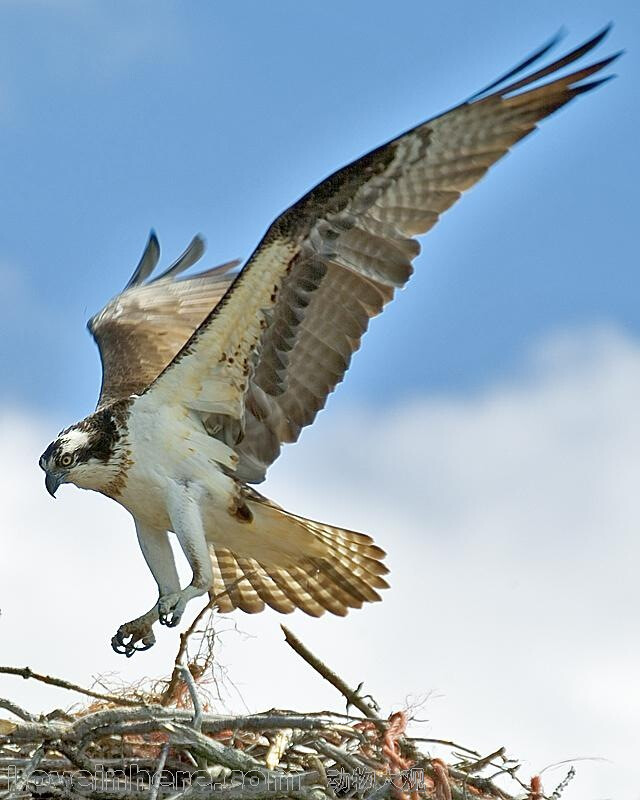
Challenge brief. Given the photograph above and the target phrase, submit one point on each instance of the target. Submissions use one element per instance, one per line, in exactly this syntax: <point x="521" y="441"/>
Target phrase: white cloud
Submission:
<point x="510" y="519"/>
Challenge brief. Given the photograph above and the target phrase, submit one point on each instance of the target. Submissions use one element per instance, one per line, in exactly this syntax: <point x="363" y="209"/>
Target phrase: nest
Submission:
<point x="165" y="742"/>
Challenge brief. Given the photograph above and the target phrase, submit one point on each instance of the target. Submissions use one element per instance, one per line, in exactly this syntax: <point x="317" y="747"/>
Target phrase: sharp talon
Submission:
<point x="126" y="643"/>
<point x="170" y="608"/>
<point x="117" y="643"/>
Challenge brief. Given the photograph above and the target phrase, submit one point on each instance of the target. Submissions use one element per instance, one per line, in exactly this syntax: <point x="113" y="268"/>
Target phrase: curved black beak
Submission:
<point x="51" y="482"/>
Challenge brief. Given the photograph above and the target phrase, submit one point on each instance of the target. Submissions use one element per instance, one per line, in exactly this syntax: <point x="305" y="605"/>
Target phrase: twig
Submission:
<point x="16" y="709"/>
<point x="322" y="774"/>
<point x="157" y="777"/>
<point x="481" y="784"/>
<point x="352" y="697"/>
<point x="348" y="760"/>
<point x="263" y="791"/>
<point x="27" y="672"/>
<point x="555" y="795"/>
<point x="111" y="720"/>
<point x="196" y="723"/>
<point x="336" y="714"/>
<point x="169" y="692"/>
<point x="74" y="756"/>
<point x="219" y="753"/>
<point x="446" y="742"/>
<point x="481" y="763"/>
<point x="31" y="767"/>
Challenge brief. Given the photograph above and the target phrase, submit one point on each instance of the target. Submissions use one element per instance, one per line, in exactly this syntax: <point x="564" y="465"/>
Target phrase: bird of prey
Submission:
<point x="205" y="378"/>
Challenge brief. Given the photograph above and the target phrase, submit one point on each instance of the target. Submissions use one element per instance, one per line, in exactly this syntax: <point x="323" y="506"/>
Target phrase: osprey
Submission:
<point x="205" y="378"/>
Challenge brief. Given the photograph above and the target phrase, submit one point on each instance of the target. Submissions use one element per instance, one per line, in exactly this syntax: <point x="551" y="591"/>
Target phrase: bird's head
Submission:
<point x="82" y="454"/>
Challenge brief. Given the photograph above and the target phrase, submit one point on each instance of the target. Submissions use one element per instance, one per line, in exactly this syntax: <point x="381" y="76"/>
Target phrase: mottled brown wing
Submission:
<point x="140" y="330"/>
<point x="263" y="363"/>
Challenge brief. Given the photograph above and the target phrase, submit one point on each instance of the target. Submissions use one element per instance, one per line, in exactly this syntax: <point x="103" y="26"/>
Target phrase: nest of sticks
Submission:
<point x="166" y="742"/>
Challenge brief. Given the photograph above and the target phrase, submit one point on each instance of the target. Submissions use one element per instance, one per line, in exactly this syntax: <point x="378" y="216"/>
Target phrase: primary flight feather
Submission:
<point x="205" y="377"/>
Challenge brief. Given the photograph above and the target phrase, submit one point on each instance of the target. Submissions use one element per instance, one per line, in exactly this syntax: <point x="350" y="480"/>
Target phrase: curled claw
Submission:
<point x="170" y="609"/>
<point x="129" y="648"/>
<point x="133" y="637"/>
<point x="170" y="619"/>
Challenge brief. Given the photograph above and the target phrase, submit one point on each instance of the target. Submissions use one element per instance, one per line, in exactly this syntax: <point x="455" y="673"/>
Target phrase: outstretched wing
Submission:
<point x="140" y="330"/>
<point x="261" y="365"/>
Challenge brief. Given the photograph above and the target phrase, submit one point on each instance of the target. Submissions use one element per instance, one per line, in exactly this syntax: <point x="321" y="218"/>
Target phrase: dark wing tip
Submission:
<point x="587" y="87"/>
<point x="600" y="36"/>
<point x="599" y="65"/>
<point x="148" y="261"/>
<point x="563" y="61"/>
<point x="193" y="253"/>
<point x="527" y="62"/>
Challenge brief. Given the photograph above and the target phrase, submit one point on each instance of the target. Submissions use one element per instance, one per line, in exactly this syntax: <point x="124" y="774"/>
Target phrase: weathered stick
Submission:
<point x="27" y="672"/>
<point x="157" y="776"/>
<point x="14" y="708"/>
<point x="27" y="773"/>
<point x="195" y="698"/>
<point x="169" y="692"/>
<point x="352" y="697"/>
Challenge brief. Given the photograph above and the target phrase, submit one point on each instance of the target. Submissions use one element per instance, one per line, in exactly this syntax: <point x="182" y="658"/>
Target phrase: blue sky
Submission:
<point x="212" y="118"/>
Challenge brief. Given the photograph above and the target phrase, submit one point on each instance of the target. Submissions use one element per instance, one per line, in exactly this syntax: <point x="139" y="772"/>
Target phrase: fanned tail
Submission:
<point x="296" y="563"/>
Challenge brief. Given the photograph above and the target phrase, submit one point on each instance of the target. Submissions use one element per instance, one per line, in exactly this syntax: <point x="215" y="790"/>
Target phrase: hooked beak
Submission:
<point x="51" y="481"/>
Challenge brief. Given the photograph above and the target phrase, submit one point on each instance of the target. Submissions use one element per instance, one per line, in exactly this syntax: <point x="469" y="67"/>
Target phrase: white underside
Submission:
<point x="168" y="445"/>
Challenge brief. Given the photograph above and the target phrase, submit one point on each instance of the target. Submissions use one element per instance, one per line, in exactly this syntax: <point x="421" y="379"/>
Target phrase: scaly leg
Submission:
<point x="158" y="554"/>
<point x="128" y="635"/>
<point x="186" y="521"/>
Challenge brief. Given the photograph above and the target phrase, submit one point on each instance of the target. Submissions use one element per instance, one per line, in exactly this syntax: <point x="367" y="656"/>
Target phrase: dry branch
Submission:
<point x="351" y="695"/>
<point x="27" y="672"/>
<point x="166" y="743"/>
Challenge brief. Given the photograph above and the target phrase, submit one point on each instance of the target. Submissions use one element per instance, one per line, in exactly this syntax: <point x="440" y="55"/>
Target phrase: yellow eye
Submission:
<point x="66" y="460"/>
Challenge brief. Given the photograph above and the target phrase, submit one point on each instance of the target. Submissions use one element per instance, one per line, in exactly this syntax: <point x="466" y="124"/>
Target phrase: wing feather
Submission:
<point x="140" y="330"/>
<point x="282" y="337"/>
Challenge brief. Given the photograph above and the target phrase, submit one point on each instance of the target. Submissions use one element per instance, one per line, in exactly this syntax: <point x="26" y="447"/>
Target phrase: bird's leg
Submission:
<point x="186" y="520"/>
<point x="158" y="554"/>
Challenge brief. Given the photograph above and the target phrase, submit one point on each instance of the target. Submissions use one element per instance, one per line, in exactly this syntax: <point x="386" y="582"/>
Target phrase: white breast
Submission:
<point x="168" y="443"/>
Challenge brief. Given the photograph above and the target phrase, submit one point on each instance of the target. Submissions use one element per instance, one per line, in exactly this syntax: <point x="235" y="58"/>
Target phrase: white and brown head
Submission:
<point x="88" y="454"/>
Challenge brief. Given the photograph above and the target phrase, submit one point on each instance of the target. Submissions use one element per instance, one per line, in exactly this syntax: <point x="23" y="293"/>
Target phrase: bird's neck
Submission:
<point x="106" y="470"/>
